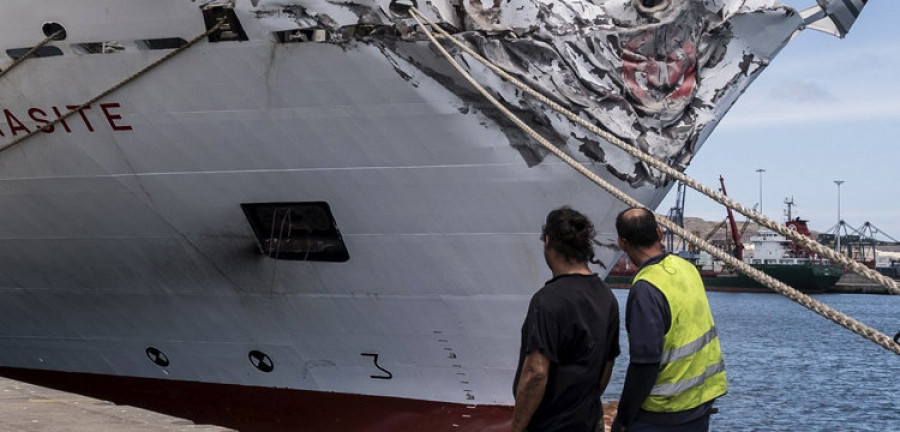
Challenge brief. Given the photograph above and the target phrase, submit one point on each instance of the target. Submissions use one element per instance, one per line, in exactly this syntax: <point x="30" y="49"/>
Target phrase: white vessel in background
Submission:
<point x="309" y="218"/>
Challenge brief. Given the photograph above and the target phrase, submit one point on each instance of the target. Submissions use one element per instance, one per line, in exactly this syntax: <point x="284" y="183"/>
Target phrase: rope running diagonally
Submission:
<point x="804" y="300"/>
<point x="891" y="285"/>
<point x="114" y="88"/>
<point x="30" y="52"/>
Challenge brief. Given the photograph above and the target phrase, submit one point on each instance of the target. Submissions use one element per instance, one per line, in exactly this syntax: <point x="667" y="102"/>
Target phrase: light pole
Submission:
<point x="838" y="240"/>
<point x="760" y="171"/>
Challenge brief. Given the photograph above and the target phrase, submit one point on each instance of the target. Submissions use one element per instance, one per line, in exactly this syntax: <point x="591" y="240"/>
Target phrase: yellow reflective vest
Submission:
<point x="691" y="369"/>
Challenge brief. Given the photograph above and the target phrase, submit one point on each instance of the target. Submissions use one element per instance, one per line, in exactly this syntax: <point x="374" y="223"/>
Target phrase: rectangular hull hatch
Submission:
<point x="300" y="231"/>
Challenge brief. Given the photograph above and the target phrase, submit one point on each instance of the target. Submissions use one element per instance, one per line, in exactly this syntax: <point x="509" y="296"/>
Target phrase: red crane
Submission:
<point x="735" y="235"/>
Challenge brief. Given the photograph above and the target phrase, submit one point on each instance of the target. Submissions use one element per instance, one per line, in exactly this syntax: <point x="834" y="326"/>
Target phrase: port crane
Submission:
<point x="676" y="215"/>
<point x="857" y="243"/>
<point x="738" y="250"/>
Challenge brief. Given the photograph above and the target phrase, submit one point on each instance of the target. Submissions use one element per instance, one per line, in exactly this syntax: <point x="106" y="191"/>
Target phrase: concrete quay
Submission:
<point x="855" y="284"/>
<point x="29" y="408"/>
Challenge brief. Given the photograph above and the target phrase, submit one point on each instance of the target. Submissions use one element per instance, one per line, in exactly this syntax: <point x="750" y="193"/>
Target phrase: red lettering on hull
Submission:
<point x="37" y="118"/>
<point x="15" y="125"/>
<point x="40" y="116"/>
<point x="63" y="122"/>
<point x="83" y="116"/>
<point x="113" y="118"/>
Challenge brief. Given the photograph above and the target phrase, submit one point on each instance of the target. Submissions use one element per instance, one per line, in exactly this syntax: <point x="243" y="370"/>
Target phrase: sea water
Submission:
<point x="789" y="369"/>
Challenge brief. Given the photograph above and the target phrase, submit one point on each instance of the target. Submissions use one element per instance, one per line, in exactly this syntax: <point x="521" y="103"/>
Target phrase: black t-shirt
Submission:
<point x="574" y="322"/>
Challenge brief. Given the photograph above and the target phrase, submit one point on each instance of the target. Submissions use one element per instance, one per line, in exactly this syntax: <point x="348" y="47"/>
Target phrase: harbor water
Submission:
<point x="791" y="370"/>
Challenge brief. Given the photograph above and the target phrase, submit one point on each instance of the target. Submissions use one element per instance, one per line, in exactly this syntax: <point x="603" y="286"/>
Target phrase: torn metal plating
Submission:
<point x="658" y="74"/>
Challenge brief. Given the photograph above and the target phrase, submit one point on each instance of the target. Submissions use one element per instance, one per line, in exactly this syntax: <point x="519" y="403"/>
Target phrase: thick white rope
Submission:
<point x="837" y="317"/>
<point x="846" y="262"/>
<point x="114" y="88"/>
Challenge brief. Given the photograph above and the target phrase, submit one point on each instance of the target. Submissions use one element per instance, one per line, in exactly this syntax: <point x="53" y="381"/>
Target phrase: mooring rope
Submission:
<point x="806" y="242"/>
<point x="804" y="300"/>
<point x="30" y="52"/>
<point x="114" y="88"/>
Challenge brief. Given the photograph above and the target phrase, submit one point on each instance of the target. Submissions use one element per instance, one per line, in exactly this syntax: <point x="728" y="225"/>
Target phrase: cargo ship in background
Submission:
<point x="308" y="220"/>
<point x="772" y="253"/>
<point x="778" y="257"/>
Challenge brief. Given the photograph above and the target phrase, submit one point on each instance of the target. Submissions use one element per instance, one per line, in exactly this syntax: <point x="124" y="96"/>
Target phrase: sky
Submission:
<point x="826" y="109"/>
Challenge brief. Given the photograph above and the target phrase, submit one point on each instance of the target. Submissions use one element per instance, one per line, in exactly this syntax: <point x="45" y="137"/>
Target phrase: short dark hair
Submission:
<point x="571" y="234"/>
<point x="640" y="229"/>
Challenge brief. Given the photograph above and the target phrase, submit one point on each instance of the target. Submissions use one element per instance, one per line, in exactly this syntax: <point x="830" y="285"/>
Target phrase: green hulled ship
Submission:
<point x="810" y="277"/>
<point x="774" y="255"/>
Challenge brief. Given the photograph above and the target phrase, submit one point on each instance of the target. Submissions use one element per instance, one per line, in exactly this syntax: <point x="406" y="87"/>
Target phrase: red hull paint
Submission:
<point x="261" y="409"/>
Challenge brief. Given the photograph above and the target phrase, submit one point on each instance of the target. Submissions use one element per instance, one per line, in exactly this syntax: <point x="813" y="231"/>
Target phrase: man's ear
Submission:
<point x="659" y="233"/>
<point x="621" y="243"/>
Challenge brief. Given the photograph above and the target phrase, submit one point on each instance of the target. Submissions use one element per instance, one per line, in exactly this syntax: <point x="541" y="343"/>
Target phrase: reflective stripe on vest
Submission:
<point x="691" y="368"/>
<point x="683" y="386"/>
<point x="692" y="347"/>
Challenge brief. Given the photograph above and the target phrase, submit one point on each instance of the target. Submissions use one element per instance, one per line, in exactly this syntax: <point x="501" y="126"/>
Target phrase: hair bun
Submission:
<point x="571" y="234"/>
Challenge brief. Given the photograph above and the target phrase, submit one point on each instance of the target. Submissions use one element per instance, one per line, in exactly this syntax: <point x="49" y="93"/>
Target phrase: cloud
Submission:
<point x="802" y="92"/>
<point x="849" y="83"/>
<point x="776" y="114"/>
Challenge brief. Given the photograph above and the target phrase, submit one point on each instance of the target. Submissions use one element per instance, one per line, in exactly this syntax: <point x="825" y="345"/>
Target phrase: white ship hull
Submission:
<point x="123" y="241"/>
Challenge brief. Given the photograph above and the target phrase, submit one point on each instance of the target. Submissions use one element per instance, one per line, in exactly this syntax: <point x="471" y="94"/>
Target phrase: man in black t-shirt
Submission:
<point x="570" y="337"/>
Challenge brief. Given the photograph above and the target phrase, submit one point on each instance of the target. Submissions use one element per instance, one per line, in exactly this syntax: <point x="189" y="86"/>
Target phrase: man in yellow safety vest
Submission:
<point x="676" y="370"/>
